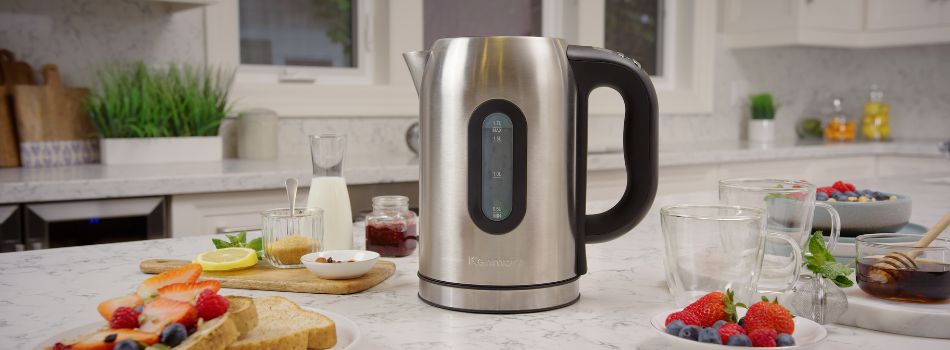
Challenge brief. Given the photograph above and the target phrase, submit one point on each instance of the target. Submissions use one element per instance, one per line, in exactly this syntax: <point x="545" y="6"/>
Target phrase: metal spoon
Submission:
<point x="291" y="184"/>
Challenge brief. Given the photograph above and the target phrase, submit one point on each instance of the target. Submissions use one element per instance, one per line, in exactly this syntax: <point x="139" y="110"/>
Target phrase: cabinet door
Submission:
<point x="212" y="213"/>
<point x="904" y="14"/>
<point x="900" y="165"/>
<point x="845" y="15"/>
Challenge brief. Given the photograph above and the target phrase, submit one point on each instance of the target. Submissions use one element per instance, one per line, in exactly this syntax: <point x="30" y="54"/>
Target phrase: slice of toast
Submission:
<point x="216" y="334"/>
<point x="284" y="325"/>
<point x="243" y="313"/>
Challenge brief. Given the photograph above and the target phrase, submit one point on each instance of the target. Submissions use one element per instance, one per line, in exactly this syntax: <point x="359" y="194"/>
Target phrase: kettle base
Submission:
<point x="498" y="300"/>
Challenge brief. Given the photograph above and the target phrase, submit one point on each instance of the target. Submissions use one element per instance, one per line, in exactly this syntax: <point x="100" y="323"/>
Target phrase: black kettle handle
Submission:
<point x="594" y="68"/>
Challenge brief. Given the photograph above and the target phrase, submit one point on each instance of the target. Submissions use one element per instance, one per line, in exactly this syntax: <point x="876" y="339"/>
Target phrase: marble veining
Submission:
<point x="43" y="292"/>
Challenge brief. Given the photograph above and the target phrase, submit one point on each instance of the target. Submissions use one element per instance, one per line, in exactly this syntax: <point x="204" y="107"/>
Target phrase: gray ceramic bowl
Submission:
<point x="858" y="218"/>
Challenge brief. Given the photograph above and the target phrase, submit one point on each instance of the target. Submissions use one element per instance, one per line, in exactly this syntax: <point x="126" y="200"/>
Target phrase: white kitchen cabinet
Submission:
<point x="201" y="214"/>
<point x="834" y="23"/>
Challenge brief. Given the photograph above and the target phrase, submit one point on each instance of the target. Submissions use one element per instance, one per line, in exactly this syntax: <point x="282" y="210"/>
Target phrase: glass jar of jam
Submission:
<point x="391" y="227"/>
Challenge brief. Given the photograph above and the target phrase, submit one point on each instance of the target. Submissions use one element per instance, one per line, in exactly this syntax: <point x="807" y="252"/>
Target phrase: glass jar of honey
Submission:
<point x="840" y="127"/>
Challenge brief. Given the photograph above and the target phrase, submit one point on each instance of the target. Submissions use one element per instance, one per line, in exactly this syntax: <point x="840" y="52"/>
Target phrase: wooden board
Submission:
<point x="11" y="72"/>
<point x="265" y="277"/>
<point x="51" y="124"/>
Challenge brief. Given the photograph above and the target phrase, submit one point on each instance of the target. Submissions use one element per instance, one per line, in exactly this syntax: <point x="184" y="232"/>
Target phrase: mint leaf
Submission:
<point x="822" y="263"/>
<point x="256" y="244"/>
<point x="235" y="240"/>
<point x="219" y="243"/>
<point x="242" y="237"/>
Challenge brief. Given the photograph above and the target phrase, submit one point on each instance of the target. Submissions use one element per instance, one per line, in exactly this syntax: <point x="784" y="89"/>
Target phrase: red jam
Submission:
<point x="392" y="238"/>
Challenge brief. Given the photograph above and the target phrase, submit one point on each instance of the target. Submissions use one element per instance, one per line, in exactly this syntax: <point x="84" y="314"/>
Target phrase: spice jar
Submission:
<point x="391" y="227"/>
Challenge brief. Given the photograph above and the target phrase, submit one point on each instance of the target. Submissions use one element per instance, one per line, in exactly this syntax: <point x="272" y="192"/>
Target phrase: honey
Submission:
<point x="929" y="283"/>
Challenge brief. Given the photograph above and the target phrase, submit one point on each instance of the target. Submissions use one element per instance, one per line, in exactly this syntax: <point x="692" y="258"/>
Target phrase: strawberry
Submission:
<point x="686" y="316"/>
<point x="162" y="312"/>
<point x="187" y="291"/>
<point x="108" y="307"/>
<point x="106" y="340"/>
<point x="842" y="186"/>
<point x="763" y="338"/>
<point x="713" y="307"/>
<point x="729" y="329"/>
<point x="185" y="274"/>
<point x="124" y="317"/>
<point x="210" y="305"/>
<point x="769" y="315"/>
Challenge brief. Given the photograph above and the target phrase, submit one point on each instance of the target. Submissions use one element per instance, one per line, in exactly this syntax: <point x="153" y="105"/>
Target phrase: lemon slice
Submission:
<point x="227" y="259"/>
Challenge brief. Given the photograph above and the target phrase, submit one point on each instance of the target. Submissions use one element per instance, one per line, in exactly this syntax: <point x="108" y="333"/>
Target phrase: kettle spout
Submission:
<point x="416" y="60"/>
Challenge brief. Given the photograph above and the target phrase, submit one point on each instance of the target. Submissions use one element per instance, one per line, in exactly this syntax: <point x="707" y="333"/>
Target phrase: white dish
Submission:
<point x="919" y="320"/>
<point x="347" y="333"/>
<point x="807" y="334"/>
<point x="340" y="271"/>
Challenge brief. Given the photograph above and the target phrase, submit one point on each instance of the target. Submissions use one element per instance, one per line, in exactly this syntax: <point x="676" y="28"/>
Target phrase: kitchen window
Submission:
<point x="328" y="57"/>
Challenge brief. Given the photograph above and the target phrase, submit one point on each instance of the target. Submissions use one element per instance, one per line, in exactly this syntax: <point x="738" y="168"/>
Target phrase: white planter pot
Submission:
<point x="160" y="150"/>
<point x="762" y="130"/>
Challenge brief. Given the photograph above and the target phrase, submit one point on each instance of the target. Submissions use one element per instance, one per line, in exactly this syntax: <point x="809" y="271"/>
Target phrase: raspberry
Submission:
<point x="210" y="305"/>
<point x="827" y="190"/>
<point x="124" y="317"/>
<point x="61" y="346"/>
<point x="729" y="329"/>
<point x="763" y="337"/>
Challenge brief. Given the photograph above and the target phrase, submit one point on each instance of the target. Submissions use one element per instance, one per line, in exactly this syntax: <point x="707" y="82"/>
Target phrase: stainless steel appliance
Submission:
<point x="66" y="224"/>
<point x="503" y="168"/>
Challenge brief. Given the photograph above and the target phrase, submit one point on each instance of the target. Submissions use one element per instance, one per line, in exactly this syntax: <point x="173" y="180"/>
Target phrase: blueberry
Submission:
<point x="881" y="196"/>
<point x="742" y="322"/>
<point x="866" y="192"/>
<point x="821" y="196"/>
<point x="784" y="339"/>
<point x="835" y="193"/>
<point x="689" y="332"/>
<point x="739" y="340"/>
<point x="841" y="197"/>
<point x="851" y="194"/>
<point x="139" y="308"/>
<point x="674" y="327"/>
<point x="173" y="334"/>
<point x="709" y="335"/>
<point x="718" y="324"/>
<point x="127" y="344"/>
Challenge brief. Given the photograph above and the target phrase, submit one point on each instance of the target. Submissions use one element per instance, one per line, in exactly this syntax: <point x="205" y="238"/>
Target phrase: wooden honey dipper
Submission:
<point x="905" y="261"/>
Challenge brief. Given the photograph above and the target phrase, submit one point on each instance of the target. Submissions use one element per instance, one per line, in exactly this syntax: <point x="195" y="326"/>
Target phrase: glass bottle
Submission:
<point x="839" y="127"/>
<point x="328" y="191"/>
<point x="391" y="227"/>
<point x="876" y="122"/>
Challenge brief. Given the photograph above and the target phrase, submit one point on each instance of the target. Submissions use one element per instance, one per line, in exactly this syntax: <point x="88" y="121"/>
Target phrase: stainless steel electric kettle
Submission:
<point x="504" y="163"/>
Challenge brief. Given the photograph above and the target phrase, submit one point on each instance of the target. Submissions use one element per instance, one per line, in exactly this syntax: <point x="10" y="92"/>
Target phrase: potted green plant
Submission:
<point x="159" y="115"/>
<point x="762" y="124"/>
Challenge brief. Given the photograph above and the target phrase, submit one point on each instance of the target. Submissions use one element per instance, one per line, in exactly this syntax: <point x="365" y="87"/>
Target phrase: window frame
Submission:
<point x="391" y="30"/>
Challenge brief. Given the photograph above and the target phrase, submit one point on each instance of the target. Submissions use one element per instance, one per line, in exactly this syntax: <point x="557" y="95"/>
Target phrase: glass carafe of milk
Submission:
<point x="328" y="190"/>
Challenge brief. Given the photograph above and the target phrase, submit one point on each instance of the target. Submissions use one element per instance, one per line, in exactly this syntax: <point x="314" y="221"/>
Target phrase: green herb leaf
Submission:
<point x="235" y="240"/>
<point x="218" y="243"/>
<point x="822" y="263"/>
<point x="242" y="236"/>
<point x="256" y="244"/>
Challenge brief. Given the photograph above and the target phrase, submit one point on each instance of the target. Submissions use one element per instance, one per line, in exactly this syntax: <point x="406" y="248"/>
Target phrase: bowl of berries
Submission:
<point x="862" y="210"/>
<point x="714" y="321"/>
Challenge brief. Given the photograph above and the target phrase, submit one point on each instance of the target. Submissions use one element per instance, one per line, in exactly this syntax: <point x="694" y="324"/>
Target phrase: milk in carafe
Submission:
<point x="328" y="191"/>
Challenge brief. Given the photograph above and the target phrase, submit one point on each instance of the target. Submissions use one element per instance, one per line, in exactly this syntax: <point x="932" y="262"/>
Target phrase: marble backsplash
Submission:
<point x="80" y="35"/>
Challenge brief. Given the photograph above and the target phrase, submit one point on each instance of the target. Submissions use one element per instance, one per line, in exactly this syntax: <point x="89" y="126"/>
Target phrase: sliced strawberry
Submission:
<point x="185" y="274"/>
<point x="187" y="292"/>
<point x="162" y="312"/>
<point x="106" y="340"/>
<point x="108" y="307"/>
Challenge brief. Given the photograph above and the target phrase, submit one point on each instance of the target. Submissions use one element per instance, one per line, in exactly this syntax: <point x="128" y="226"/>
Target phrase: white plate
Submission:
<point x="347" y="333"/>
<point x="364" y="261"/>
<point x="807" y="334"/>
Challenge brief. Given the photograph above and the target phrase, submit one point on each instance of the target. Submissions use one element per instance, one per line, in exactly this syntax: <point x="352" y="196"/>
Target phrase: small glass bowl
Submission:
<point x="927" y="283"/>
<point x="289" y="237"/>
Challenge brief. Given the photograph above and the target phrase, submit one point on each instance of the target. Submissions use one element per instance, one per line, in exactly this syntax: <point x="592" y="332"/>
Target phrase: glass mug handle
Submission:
<point x="835" y="225"/>
<point x="797" y="255"/>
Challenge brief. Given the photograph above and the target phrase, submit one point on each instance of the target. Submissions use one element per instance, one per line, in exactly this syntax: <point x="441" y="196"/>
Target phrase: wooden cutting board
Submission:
<point x="11" y="72"/>
<point x="265" y="277"/>
<point x="51" y="124"/>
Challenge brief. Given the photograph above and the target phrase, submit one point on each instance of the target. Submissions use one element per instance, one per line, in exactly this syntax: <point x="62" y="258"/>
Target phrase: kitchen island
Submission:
<point x="48" y="291"/>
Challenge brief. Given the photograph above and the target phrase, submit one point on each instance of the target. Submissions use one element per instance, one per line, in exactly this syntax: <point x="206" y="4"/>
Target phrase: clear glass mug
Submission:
<point x="789" y="206"/>
<point x="288" y="237"/>
<point x="716" y="247"/>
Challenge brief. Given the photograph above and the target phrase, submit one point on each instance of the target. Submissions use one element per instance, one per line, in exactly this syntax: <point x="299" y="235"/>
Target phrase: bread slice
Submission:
<point x="216" y="334"/>
<point x="243" y="313"/>
<point x="284" y="325"/>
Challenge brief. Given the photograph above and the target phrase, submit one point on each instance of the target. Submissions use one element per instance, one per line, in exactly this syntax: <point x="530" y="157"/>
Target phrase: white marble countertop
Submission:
<point x="44" y="292"/>
<point x="22" y="185"/>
